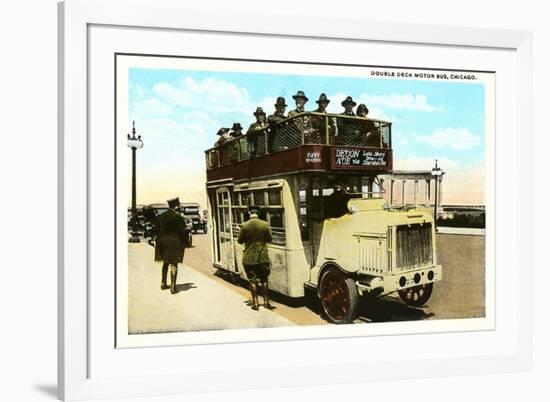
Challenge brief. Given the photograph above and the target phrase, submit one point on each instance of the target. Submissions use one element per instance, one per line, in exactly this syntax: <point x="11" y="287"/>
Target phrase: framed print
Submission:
<point x="325" y="198"/>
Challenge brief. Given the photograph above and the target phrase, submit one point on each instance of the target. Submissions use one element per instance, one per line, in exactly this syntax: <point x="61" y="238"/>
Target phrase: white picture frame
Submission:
<point x="78" y="379"/>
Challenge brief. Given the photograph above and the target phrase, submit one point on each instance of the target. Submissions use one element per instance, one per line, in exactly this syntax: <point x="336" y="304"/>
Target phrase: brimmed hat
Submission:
<point x="259" y="111"/>
<point x="364" y="107"/>
<point x="348" y="100"/>
<point x="222" y="131"/>
<point x="281" y="101"/>
<point x="173" y="202"/>
<point x="322" y="98"/>
<point x="300" y="94"/>
<point x="236" y="126"/>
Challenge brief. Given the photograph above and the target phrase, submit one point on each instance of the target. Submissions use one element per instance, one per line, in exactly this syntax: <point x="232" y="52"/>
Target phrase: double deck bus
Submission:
<point x="314" y="178"/>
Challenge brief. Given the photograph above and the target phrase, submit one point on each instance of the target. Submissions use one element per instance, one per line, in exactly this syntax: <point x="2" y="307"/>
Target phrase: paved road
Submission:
<point x="209" y="300"/>
<point x="201" y="303"/>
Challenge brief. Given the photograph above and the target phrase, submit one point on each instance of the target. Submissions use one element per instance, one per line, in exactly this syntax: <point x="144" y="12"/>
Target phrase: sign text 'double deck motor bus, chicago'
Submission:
<point x="315" y="179"/>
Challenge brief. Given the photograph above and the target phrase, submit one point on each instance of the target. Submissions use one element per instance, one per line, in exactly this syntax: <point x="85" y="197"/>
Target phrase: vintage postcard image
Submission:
<point x="259" y="199"/>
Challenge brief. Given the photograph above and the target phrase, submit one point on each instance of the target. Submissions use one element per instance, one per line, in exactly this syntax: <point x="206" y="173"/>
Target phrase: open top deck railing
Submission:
<point x="300" y="129"/>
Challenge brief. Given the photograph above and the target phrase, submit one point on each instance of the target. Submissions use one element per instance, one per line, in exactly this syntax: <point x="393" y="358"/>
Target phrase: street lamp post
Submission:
<point x="134" y="143"/>
<point x="436" y="173"/>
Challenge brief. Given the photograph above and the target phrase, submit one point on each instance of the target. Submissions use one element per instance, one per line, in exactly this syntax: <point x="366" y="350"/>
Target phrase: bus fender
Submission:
<point x="328" y="265"/>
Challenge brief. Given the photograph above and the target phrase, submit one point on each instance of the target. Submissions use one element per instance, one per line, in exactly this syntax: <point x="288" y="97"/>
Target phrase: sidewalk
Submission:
<point x="200" y="304"/>
<point x="461" y="231"/>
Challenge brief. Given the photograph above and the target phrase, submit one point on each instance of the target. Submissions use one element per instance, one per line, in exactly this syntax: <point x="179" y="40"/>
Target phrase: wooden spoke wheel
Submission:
<point x="339" y="296"/>
<point x="417" y="295"/>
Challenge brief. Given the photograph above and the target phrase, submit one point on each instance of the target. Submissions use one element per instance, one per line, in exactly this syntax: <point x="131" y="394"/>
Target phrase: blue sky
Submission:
<point x="178" y="113"/>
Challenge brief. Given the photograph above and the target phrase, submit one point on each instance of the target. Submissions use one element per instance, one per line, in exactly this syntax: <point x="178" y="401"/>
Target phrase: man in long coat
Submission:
<point x="171" y="243"/>
<point x="255" y="234"/>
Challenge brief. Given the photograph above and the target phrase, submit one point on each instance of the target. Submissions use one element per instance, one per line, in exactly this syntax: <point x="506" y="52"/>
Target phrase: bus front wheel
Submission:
<point x="339" y="296"/>
<point x="417" y="295"/>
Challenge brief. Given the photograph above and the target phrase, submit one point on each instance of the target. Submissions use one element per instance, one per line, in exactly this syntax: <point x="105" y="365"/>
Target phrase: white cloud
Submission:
<point x="150" y="107"/>
<point x="210" y="94"/>
<point x="453" y="138"/>
<point x="136" y="91"/>
<point x="169" y="141"/>
<point x="399" y="101"/>
<point x="377" y="104"/>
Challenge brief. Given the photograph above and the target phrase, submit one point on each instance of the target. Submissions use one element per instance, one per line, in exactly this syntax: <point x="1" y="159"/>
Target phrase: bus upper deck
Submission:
<point x="307" y="141"/>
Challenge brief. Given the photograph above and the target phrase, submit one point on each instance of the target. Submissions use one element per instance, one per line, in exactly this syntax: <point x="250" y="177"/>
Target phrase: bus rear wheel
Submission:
<point x="417" y="295"/>
<point x="339" y="297"/>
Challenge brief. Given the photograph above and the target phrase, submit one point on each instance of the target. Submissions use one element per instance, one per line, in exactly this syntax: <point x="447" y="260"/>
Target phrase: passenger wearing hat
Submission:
<point x="233" y="147"/>
<point x="254" y="131"/>
<point x="279" y="114"/>
<point x="236" y="130"/>
<point x="170" y="243"/>
<point x="347" y="127"/>
<point x="319" y="123"/>
<point x="275" y="119"/>
<point x="301" y="99"/>
<point x="368" y="128"/>
<point x="220" y="154"/>
<point x="303" y="123"/>
<point x="348" y="105"/>
<point x="224" y="136"/>
<point x="255" y="234"/>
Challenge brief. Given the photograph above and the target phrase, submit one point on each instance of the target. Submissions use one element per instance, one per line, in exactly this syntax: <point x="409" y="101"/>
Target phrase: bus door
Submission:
<point x="311" y="219"/>
<point x="226" y="255"/>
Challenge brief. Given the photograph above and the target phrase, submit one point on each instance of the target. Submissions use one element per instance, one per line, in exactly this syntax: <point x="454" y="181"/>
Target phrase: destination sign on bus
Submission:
<point x="357" y="158"/>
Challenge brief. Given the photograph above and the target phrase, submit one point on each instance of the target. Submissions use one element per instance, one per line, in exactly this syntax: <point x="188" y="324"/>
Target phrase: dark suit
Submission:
<point x="253" y="134"/>
<point x="171" y="239"/>
<point x="348" y="127"/>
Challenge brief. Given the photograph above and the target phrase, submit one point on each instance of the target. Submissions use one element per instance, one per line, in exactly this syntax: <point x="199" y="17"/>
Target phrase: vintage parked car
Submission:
<point x="191" y="210"/>
<point x="140" y="224"/>
<point x="151" y="213"/>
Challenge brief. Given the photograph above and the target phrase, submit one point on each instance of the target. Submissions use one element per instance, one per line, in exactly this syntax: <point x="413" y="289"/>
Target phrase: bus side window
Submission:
<point x="237" y="216"/>
<point x="259" y="198"/>
<point x="263" y="214"/>
<point x="245" y="199"/>
<point x="276" y="218"/>
<point x="277" y="222"/>
<point x="274" y="197"/>
<point x="236" y="199"/>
